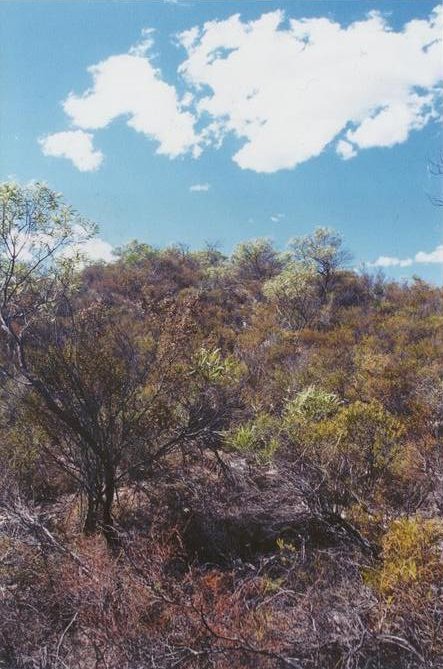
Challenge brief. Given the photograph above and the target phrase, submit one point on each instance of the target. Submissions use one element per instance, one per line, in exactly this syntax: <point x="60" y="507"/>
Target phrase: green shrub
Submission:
<point x="312" y="404"/>
<point x="211" y="366"/>
<point x="259" y="438"/>
<point x="411" y="552"/>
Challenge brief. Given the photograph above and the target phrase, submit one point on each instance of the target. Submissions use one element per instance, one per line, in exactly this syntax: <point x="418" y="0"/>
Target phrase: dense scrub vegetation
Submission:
<point x="213" y="461"/>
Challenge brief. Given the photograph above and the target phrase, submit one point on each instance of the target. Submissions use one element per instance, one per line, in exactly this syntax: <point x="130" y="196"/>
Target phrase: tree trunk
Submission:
<point x="90" y="525"/>
<point x="108" y="500"/>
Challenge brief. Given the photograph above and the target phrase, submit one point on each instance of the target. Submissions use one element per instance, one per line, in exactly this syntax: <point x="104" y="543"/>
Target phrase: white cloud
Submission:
<point x="200" y="188"/>
<point x="285" y="88"/>
<point x="435" y="256"/>
<point x="97" y="249"/>
<point x="345" y="149"/>
<point x="392" y="124"/>
<point x="142" y="47"/>
<point x="129" y="86"/>
<point x="75" y="145"/>
<point x="94" y="249"/>
<point x="90" y="248"/>
<point x="390" y="261"/>
<point x="275" y="218"/>
<point x="290" y="88"/>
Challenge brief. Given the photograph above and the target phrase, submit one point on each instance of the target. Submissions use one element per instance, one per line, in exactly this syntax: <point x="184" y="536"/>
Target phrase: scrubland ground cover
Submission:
<point x="212" y="461"/>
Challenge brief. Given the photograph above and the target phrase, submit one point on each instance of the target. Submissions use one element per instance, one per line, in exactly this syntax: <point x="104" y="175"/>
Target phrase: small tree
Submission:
<point x="37" y="233"/>
<point x="122" y="397"/>
<point x="135" y="252"/>
<point x="109" y="386"/>
<point x="324" y="253"/>
<point x="295" y="295"/>
<point x="257" y="260"/>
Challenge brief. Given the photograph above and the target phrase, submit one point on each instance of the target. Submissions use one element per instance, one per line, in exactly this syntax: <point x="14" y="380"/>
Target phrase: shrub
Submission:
<point x="312" y="404"/>
<point x="211" y="366"/>
<point x="259" y="438"/>
<point x="411" y="553"/>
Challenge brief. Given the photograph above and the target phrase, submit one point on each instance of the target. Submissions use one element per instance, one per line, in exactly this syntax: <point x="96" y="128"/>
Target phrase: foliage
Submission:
<point x="212" y="367"/>
<point x="258" y="438"/>
<point x="295" y="294"/>
<point x="411" y="554"/>
<point x="214" y="461"/>
<point x="256" y="259"/>
<point x="135" y="252"/>
<point x="323" y="252"/>
<point x="311" y="404"/>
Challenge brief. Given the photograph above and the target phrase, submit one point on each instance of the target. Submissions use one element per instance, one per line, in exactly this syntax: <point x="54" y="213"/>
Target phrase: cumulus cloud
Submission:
<point x="391" y="261"/>
<point x="285" y="88"/>
<point x="128" y="85"/>
<point x="76" y="145"/>
<point x="288" y="88"/>
<point x="144" y="44"/>
<point x="435" y="256"/>
<point x="345" y="149"/>
<point x="90" y="249"/>
<point x="125" y="85"/>
<point x="96" y="249"/>
<point x="200" y="188"/>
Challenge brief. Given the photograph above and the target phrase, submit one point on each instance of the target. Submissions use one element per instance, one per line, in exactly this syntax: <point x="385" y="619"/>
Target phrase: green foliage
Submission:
<point x="369" y="431"/>
<point x="210" y="365"/>
<point x="294" y="292"/>
<point x="411" y="555"/>
<point x="355" y="445"/>
<point x="41" y="241"/>
<point x="20" y="448"/>
<point x="209" y="257"/>
<point x="257" y="259"/>
<point x="322" y="250"/>
<point x="134" y="375"/>
<point x="135" y="252"/>
<point x="37" y="225"/>
<point x="311" y="404"/>
<point x="258" y="438"/>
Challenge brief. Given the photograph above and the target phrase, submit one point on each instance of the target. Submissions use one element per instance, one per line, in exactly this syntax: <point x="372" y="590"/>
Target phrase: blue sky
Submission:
<point x="197" y="124"/>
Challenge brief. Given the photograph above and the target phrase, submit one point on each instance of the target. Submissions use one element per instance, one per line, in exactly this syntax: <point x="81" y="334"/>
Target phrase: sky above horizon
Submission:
<point x="184" y="121"/>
